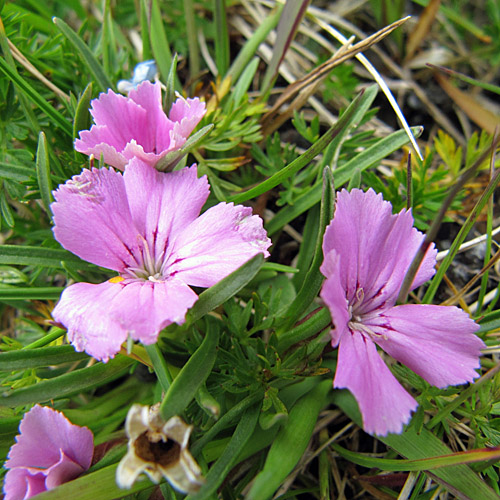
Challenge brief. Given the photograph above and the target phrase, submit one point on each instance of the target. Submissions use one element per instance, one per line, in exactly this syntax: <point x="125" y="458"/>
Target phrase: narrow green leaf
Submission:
<point x="170" y="90"/>
<point x="24" y="359"/>
<point x="249" y="50"/>
<point x="43" y="172"/>
<point x="6" y="210"/>
<point x="221" y="37"/>
<point x="17" y="173"/>
<point x="387" y="464"/>
<point x="193" y="374"/>
<point x="69" y="383"/>
<point x="25" y="255"/>
<point x="304" y="159"/>
<point x="85" y="55"/>
<point x="244" y="82"/>
<point x="97" y="485"/>
<point x="369" y="157"/>
<point x="224" y="289"/>
<point x="313" y="280"/>
<point x="35" y="97"/>
<point x="420" y="444"/>
<point x="311" y="326"/>
<point x="82" y="112"/>
<point x="290" y="443"/>
<point x="30" y="293"/>
<point x="229" y="457"/>
<point x="159" y="40"/>
<point x="160" y="366"/>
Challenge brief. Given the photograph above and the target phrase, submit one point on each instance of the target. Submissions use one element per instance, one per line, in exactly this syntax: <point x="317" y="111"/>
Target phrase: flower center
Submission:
<point x="356" y="322"/>
<point x="150" y="267"/>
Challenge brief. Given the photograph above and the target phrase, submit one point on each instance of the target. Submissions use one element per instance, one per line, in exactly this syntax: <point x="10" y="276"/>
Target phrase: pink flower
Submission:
<point x="367" y="251"/>
<point x="144" y="224"/>
<point x="49" y="451"/>
<point x="136" y="126"/>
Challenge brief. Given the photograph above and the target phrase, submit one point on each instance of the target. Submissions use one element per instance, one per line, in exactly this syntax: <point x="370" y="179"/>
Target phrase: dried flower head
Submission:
<point x="159" y="449"/>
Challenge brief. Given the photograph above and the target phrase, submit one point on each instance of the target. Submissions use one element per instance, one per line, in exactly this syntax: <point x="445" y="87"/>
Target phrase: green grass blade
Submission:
<point x="69" y="383"/>
<point x="159" y="41"/>
<point x="85" y="55"/>
<point x="304" y="159"/>
<point x="97" y="485"/>
<point x="221" y="37"/>
<point x="229" y="457"/>
<point x="43" y="173"/>
<point x="422" y="444"/>
<point x="34" y="358"/>
<point x="290" y="443"/>
<point x="367" y="158"/>
<point x="250" y="48"/>
<point x="30" y="293"/>
<point x="314" y="279"/>
<point x="35" y="97"/>
<point x="17" y="173"/>
<point x="37" y="256"/>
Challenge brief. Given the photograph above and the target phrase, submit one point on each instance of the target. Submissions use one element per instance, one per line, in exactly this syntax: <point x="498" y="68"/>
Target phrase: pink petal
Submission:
<point x="84" y="309"/>
<point x="375" y="248"/>
<point x="21" y="484"/>
<point x="63" y="471"/>
<point x="162" y="205"/>
<point x="216" y="244"/>
<point x="120" y="120"/>
<point x="99" y="318"/>
<point x="92" y="219"/>
<point x="96" y="141"/>
<point x="143" y="309"/>
<point x="186" y="114"/>
<point x="436" y="342"/>
<point x="333" y="295"/>
<point x="148" y="96"/>
<point x="43" y="432"/>
<point x="385" y="406"/>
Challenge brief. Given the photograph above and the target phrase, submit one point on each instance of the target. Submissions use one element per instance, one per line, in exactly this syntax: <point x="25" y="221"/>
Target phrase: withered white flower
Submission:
<point x="159" y="449"/>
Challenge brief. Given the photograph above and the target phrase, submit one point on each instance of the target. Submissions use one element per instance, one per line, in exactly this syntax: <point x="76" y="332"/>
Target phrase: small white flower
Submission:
<point x="159" y="449"/>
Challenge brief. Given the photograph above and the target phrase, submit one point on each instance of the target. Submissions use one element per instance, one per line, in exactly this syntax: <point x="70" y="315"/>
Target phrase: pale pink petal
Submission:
<point x="333" y="295"/>
<point x="148" y="96"/>
<point x="96" y="142"/>
<point x="92" y="219"/>
<point x="63" y="471"/>
<point x="375" y="248"/>
<point x="384" y="405"/>
<point x="145" y="308"/>
<point x="124" y="120"/>
<point x="21" y="484"/>
<point x="216" y="244"/>
<point x="186" y="114"/>
<point x="162" y="205"/>
<point x="436" y="342"/>
<point x="49" y="451"/>
<point x="84" y="309"/>
<point x="38" y="445"/>
<point x="137" y="126"/>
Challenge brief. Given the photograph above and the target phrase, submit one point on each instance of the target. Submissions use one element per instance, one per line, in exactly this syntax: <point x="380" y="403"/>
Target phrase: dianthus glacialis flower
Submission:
<point x="159" y="449"/>
<point x="137" y="126"/>
<point x="144" y="224"/>
<point x="367" y="252"/>
<point x="49" y="451"/>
